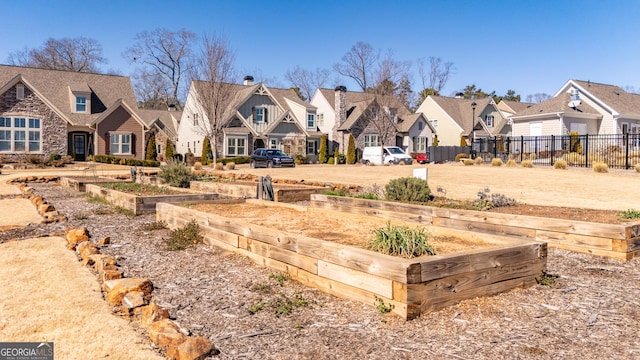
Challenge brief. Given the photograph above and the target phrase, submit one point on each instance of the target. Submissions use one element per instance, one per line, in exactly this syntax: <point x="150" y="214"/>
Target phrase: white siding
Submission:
<point x="188" y="134"/>
<point x="325" y="107"/>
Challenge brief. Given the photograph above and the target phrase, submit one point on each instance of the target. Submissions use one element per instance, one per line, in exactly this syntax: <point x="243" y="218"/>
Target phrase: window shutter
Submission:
<point x="107" y="143"/>
<point x="265" y="115"/>
<point x="133" y="144"/>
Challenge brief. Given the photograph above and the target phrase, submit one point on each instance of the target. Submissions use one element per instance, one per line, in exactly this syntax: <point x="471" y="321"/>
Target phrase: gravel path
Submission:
<point x="591" y="312"/>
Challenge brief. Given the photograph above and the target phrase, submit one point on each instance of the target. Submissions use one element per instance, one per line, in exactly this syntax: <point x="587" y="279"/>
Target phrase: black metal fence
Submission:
<point x="621" y="151"/>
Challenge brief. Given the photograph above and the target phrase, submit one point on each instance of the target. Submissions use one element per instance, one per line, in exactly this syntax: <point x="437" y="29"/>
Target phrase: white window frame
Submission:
<point x="420" y="144"/>
<point x="19" y="92"/>
<point x="273" y="143"/>
<point x="320" y="119"/>
<point x="260" y="118"/>
<point x="233" y="146"/>
<point x="371" y="140"/>
<point x="488" y="119"/>
<point x="84" y="103"/>
<point x="119" y="142"/>
<point x="22" y="134"/>
<point x="312" y="147"/>
<point x="311" y="120"/>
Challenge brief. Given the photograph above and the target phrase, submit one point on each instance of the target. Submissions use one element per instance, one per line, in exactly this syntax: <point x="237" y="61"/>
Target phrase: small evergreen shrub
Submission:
<point x="468" y="162"/>
<point x="408" y="189"/>
<point x="236" y="159"/>
<point x="479" y="160"/>
<point x="461" y="156"/>
<point x="600" y="167"/>
<point x="197" y="165"/>
<point x="302" y="159"/>
<point x="488" y="202"/>
<point x="323" y="155"/>
<point x="185" y="237"/>
<point x="330" y="161"/>
<point x="176" y="174"/>
<point x="151" y="153"/>
<point x="351" y="150"/>
<point x="206" y="150"/>
<point x="511" y="163"/>
<point x="219" y="166"/>
<point x="496" y="162"/>
<point x="560" y="164"/>
<point x="527" y="163"/>
<point x="231" y="166"/>
<point x="401" y="241"/>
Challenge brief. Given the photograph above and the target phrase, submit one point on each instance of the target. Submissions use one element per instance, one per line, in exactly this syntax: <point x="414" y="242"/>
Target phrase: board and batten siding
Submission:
<point x="326" y="108"/>
<point x="120" y="120"/>
<point x="273" y="111"/>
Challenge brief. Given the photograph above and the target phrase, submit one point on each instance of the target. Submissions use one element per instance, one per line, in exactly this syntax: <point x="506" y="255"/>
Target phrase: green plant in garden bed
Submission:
<point x="630" y="214"/>
<point x="408" y="189"/>
<point x="402" y="241"/>
<point x="176" y="174"/>
<point x="185" y="237"/>
<point x="335" y="193"/>
<point x="382" y="307"/>
<point x="138" y="189"/>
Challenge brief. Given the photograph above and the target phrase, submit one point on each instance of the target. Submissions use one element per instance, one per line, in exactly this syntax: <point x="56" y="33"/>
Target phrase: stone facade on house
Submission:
<point x="53" y="127"/>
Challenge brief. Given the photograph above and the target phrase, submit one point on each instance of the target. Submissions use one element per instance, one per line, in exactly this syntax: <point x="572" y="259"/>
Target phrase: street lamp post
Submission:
<point x="473" y="122"/>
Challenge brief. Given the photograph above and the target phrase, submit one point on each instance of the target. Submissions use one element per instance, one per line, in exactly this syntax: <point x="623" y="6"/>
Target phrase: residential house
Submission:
<point x="163" y="125"/>
<point x="45" y="112"/>
<point x="341" y="113"/>
<point x="259" y="116"/>
<point x="454" y="118"/>
<point x="584" y="107"/>
<point x="509" y="107"/>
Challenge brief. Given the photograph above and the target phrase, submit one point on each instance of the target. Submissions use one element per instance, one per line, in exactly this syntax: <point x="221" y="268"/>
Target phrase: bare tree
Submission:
<point x="537" y="97"/>
<point x="165" y="53"/>
<point x="69" y="54"/>
<point x="151" y="90"/>
<point x="212" y="77"/>
<point x="359" y="64"/>
<point x="307" y="80"/>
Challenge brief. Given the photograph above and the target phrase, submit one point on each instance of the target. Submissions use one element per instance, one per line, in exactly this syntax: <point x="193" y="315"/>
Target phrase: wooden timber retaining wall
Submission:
<point x="414" y="286"/>
<point x="282" y="193"/>
<point x="617" y="241"/>
<point x="79" y="183"/>
<point x="144" y="204"/>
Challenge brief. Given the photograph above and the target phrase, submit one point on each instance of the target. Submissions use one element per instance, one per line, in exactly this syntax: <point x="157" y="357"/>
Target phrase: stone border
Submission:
<point x="44" y="208"/>
<point x="132" y="298"/>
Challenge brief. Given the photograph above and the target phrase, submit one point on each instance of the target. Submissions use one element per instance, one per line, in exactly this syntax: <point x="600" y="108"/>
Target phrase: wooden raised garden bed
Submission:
<point x="282" y="192"/>
<point x="617" y="241"/>
<point x="414" y="286"/>
<point x="78" y="183"/>
<point x="146" y="204"/>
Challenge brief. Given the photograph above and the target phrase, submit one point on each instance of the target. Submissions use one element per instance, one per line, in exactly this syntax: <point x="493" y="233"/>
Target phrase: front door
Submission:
<point x="79" y="141"/>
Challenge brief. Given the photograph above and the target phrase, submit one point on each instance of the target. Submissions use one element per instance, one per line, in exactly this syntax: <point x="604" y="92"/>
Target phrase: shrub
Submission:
<point x="231" y="166"/>
<point x="219" y="166"/>
<point x="468" y="162"/>
<point x="496" y="162"/>
<point x="337" y="192"/>
<point x="169" y="151"/>
<point x="351" y="150"/>
<point x="176" y="174"/>
<point x="630" y="214"/>
<point x="574" y="158"/>
<point x="323" y="152"/>
<point x="600" y="167"/>
<point x="486" y="202"/>
<point x="408" y="189"/>
<point x="236" y="159"/>
<point x="151" y="152"/>
<point x="302" y="159"/>
<point x="461" y="156"/>
<point x="479" y="160"/>
<point x="511" y="163"/>
<point x="532" y="156"/>
<point x="574" y="141"/>
<point x="527" y="163"/>
<point x="206" y="150"/>
<point x="330" y="161"/>
<point x="560" y="164"/>
<point x="401" y="241"/>
<point x="197" y="165"/>
<point x="184" y="237"/>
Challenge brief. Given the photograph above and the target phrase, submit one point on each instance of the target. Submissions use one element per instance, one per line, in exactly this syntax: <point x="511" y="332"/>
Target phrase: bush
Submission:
<point x="351" y="150"/>
<point x="401" y="241"/>
<point x="479" y="160"/>
<point x="532" y="156"/>
<point x="486" y="202"/>
<point x="176" y="174"/>
<point x="302" y="159"/>
<point x="219" y="166"/>
<point x="574" y="158"/>
<point x="236" y="159"/>
<point x="330" y="161"/>
<point x="560" y="164"/>
<point x="408" y="189"/>
<point x="231" y="165"/>
<point x="323" y="154"/>
<point x="185" y="237"/>
<point x="527" y="163"/>
<point x="197" y="165"/>
<point x="206" y="150"/>
<point x="461" y="156"/>
<point x="468" y="162"/>
<point x="630" y="214"/>
<point x="496" y="162"/>
<point x="169" y="151"/>
<point x="511" y="163"/>
<point x="151" y="153"/>
<point x="600" y="167"/>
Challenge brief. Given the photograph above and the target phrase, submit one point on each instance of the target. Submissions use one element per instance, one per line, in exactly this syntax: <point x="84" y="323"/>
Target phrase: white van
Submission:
<point x="392" y="155"/>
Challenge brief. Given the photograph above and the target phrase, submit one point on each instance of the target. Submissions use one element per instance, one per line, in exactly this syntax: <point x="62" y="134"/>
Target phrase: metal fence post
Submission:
<point x="626" y="152"/>
<point x="586" y="151"/>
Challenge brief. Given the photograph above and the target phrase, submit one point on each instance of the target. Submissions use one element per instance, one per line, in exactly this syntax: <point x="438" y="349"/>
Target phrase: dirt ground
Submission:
<point x="617" y="190"/>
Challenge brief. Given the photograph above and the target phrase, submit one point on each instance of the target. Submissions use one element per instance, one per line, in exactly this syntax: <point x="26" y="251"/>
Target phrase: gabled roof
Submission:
<point x="557" y="104"/>
<point x="407" y="121"/>
<point x="513" y="106"/>
<point x="460" y="110"/>
<point x="55" y="87"/>
<point x="165" y="120"/>
<point x="113" y="107"/>
<point x="611" y="96"/>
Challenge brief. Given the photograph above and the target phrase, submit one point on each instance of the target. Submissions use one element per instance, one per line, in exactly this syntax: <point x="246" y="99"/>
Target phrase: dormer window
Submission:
<point x="311" y="120"/>
<point x="19" y="92"/>
<point x="489" y="120"/>
<point x="81" y="104"/>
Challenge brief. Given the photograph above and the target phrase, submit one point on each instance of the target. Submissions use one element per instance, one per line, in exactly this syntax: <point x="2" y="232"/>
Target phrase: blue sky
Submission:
<point x="528" y="46"/>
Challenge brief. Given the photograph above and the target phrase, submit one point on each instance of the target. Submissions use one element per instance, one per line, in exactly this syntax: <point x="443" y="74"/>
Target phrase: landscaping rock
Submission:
<point x="134" y="299"/>
<point x="107" y="275"/>
<point x="166" y="334"/>
<point x="45" y="208"/>
<point x="75" y="235"/>
<point x="192" y="348"/>
<point x="104" y="241"/>
<point x="117" y="289"/>
<point x="86" y="249"/>
<point x="103" y="262"/>
<point x="151" y="313"/>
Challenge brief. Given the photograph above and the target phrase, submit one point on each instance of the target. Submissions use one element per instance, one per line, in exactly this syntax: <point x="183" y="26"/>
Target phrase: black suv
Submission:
<point x="270" y="158"/>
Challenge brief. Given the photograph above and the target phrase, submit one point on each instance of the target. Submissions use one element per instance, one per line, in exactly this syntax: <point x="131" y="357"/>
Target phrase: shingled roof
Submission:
<point x="613" y="96"/>
<point x="55" y="86"/>
<point x="460" y="110"/>
<point x="557" y="104"/>
<point x="166" y="120"/>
